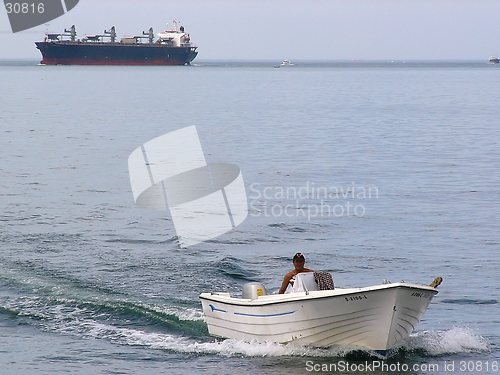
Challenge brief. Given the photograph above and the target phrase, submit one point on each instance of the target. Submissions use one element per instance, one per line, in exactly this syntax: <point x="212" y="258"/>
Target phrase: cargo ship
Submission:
<point x="171" y="47"/>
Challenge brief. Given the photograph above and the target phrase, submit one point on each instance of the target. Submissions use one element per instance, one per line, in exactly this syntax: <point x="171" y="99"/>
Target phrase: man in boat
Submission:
<point x="298" y="262"/>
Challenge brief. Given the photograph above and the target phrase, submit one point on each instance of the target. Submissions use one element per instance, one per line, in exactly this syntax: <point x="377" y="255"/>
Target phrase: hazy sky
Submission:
<point x="294" y="29"/>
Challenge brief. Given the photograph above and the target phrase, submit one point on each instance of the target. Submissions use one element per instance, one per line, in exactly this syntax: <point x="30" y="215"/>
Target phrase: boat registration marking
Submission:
<point x="359" y="297"/>
<point x="420" y="294"/>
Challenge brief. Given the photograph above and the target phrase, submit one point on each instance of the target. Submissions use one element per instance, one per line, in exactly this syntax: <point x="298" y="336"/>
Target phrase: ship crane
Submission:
<point x="111" y="33"/>
<point x="72" y="33"/>
<point x="150" y="35"/>
<point x="69" y="33"/>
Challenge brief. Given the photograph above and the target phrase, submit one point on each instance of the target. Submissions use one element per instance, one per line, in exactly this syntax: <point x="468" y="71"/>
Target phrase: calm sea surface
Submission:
<point x="405" y="156"/>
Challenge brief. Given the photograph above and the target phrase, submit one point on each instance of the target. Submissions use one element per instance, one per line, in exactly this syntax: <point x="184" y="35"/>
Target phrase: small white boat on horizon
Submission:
<point x="494" y="60"/>
<point x="376" y="317"/>
<point x="284" y="63"/>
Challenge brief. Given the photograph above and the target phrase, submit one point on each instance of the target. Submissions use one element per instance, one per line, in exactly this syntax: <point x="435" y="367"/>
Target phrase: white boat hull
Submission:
<point x="375" y="317"/>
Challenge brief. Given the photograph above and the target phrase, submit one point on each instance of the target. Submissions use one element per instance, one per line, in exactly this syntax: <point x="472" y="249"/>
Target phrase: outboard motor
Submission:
<point x="253" y="290"/>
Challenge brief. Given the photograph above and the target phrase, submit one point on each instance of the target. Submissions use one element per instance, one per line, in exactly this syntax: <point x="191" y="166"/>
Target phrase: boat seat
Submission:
<point x="304" y="282"/>
<point x="311" y="281"/>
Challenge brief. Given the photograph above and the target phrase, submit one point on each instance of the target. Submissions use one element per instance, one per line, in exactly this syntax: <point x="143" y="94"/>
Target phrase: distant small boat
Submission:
<point x="494" y="60"/>
<point x="284" y="63"/>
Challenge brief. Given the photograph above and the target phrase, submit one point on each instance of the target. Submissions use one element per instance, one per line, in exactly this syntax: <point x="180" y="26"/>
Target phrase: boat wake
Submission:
<point x="181" y="329"/>
<point x="424" y="344"/>
<point x="65" y="306"/>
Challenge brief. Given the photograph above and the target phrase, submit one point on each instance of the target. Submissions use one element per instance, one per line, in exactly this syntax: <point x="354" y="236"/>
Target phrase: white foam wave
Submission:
<point x="226" y="348"/>
<point x="181" y="313"/>
<point x="454" y="340"/>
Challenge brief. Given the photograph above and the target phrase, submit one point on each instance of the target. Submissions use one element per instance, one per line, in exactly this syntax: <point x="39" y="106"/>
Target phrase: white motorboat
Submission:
<point x="375" y="317"/>
<point x="285" y="63"/>
<point x="494" y="60"/>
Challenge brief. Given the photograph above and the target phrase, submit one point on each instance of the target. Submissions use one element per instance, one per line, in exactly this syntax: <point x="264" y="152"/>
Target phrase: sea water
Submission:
<point x="381" y="171"/>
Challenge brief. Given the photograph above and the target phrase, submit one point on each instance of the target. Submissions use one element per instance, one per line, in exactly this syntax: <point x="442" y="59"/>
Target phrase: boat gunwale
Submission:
<point x="312" y="295"/>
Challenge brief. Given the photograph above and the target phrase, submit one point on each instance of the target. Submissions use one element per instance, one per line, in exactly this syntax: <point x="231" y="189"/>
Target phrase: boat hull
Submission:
<point x="80" y="53"/>
<point x="375" y="318"/>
